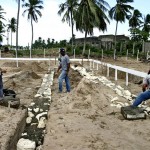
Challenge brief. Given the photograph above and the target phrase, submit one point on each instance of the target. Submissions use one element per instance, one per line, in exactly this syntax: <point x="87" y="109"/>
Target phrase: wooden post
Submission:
<point x="116" y="75"/>
<point x="90" y="64"/>
<point x="114" y="54"/>
<point x="89" y="54"/>
<point x="97" y="66"/>
<point x="74" y="53"/>
<point x="127" y="55"/>
<point x="44" y="52"/>
<point x="126" y="79"/>
<point x="138" y="55"/>
<point x="93" y="64"/>
<point x="102" y="54"/>
<point x="107" y="71"/>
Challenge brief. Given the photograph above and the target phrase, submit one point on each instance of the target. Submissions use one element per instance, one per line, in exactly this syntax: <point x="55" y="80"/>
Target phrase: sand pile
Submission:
<point x="12" y="64"/>
<point x="34" y="66"/>
<point x="87" y="97"/>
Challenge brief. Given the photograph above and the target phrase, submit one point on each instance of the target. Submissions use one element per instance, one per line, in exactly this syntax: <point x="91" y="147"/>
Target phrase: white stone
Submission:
<point x="147" y="109"/>
<point x="37" y="95"/>
<point x="26" y="144"/>
<point x="28" y="120"/>
<point x="120" y="103"/>
<point x="36" y="110"/>
<point x="29" y="109"/>
<point x="32" y="104"/>
<point x="119" y="87"/>
<point x="114" y="99"/>
<point x="127" y="93"/>
<point x="41" y="110"/>
<point x="41" y="114"/>
<point x="24" y="134"/>
<point x="42" y="122"/>
<point x="126" y="104"/>
<point x="119" y="92"/>
<point x="30" y="114"/>
<point x="118" y="106"/>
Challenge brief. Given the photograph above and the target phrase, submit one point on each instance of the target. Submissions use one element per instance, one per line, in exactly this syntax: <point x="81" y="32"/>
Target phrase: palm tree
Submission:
<point x="33" y="9"/>
<point x="69" y="9"/>
<point x="146" y="27"/>
<point x="91" y="14"/>
<point x="134" y="24"/>
<point x="1" y="14"/>
<point x="18" y="13"/>
<point x="120" y="12"/>
<point x="12" y="27"/>
<point x="2" y="25"/>
<point x="1" y="32"/>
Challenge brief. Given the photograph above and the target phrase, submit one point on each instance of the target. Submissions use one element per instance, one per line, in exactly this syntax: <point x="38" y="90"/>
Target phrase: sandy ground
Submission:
<point x="82" y="119"/>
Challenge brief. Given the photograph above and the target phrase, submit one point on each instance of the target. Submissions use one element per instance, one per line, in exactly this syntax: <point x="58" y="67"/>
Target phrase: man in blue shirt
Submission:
<point x="64" y="66"/>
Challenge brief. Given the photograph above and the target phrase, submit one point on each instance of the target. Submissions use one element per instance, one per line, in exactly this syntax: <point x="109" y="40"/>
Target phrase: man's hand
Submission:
<point x="144" y="86"/>
<point x="4" y="71"/>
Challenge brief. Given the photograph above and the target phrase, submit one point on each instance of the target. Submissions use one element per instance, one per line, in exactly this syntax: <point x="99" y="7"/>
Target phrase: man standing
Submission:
<point x="64" y="66"/>
<point x="145" y="95"/>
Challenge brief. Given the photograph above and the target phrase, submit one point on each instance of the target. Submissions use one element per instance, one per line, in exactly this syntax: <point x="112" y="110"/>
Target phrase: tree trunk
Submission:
<point x="84" y="43"/>
<point x="133" y="47"/>
<point x="115" y="40"/>
<point x="11" y="39"/>
<point x="17" y="28"/>
<point x="72" y="25"/>
<point x="32" y="37"/>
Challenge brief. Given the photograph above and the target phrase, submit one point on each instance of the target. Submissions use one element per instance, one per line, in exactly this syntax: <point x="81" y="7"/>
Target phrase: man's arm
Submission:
<point x="144" y="86"/>
<point x="68" y="67"/>
<point x="59" y="68"/>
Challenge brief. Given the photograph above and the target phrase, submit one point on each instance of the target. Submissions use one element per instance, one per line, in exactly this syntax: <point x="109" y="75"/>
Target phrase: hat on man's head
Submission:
<point x="61" y="50"/>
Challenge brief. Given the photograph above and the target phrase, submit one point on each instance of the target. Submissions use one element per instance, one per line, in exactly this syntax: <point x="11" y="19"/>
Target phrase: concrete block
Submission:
<point x="133" y="113"/>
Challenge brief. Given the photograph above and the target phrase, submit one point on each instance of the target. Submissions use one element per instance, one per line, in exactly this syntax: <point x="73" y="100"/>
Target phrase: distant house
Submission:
<point x="94" y="41"/>
<point x="106" y="41"/>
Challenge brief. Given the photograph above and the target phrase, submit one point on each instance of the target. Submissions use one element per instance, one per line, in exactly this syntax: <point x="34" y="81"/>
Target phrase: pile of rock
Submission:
<point x="34" y="132"/>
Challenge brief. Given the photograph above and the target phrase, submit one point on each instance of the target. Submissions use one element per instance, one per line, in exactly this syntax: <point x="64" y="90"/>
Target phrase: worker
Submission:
<point x="145" y="95"/>
<point x="64" y="66"/>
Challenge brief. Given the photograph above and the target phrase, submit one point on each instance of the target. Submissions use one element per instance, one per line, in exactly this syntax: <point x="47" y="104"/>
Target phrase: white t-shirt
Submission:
<point x="146" y="80"/>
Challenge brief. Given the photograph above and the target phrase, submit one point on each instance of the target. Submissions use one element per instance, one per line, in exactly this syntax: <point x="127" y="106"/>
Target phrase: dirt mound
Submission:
<point x="27" y="74"/>
<point x="12" y="64"/>
<point x="34" y="66"/>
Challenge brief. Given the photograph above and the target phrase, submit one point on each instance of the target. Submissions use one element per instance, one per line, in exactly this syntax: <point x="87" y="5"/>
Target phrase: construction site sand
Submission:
<point x="80" y="120"/>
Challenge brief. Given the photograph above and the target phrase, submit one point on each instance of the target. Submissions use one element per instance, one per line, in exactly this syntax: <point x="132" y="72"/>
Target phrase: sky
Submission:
<point x="51" y="26"/>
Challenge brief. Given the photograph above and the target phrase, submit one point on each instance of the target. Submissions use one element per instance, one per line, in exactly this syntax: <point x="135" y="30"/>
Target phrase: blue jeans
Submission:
<point x="142" y="97"/>
<point x="1" y="86"/>
<point x="62" y="76"/>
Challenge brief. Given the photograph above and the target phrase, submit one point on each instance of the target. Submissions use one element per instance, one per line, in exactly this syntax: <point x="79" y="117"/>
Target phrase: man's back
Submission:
<point x="64" y="62"/>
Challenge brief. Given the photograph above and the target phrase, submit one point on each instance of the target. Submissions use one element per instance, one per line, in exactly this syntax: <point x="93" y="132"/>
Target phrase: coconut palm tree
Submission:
<point x="91" y="14"/>
<point x="1" y="32"/>
<point x="18" y="13"/>
<point x="12" y="26"/>
<point x="1" y="15"/>
<point x="33" y="9"/>
<point x="2" y="25"/>
<point x="134" y="23"/>
<point x="120" y="12"/>
<point x="69" y="9"/>
<point x="146" y="27"/>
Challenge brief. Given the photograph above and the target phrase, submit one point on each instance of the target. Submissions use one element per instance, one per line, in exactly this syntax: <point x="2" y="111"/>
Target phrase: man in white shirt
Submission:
<point x="145" y="95"/>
